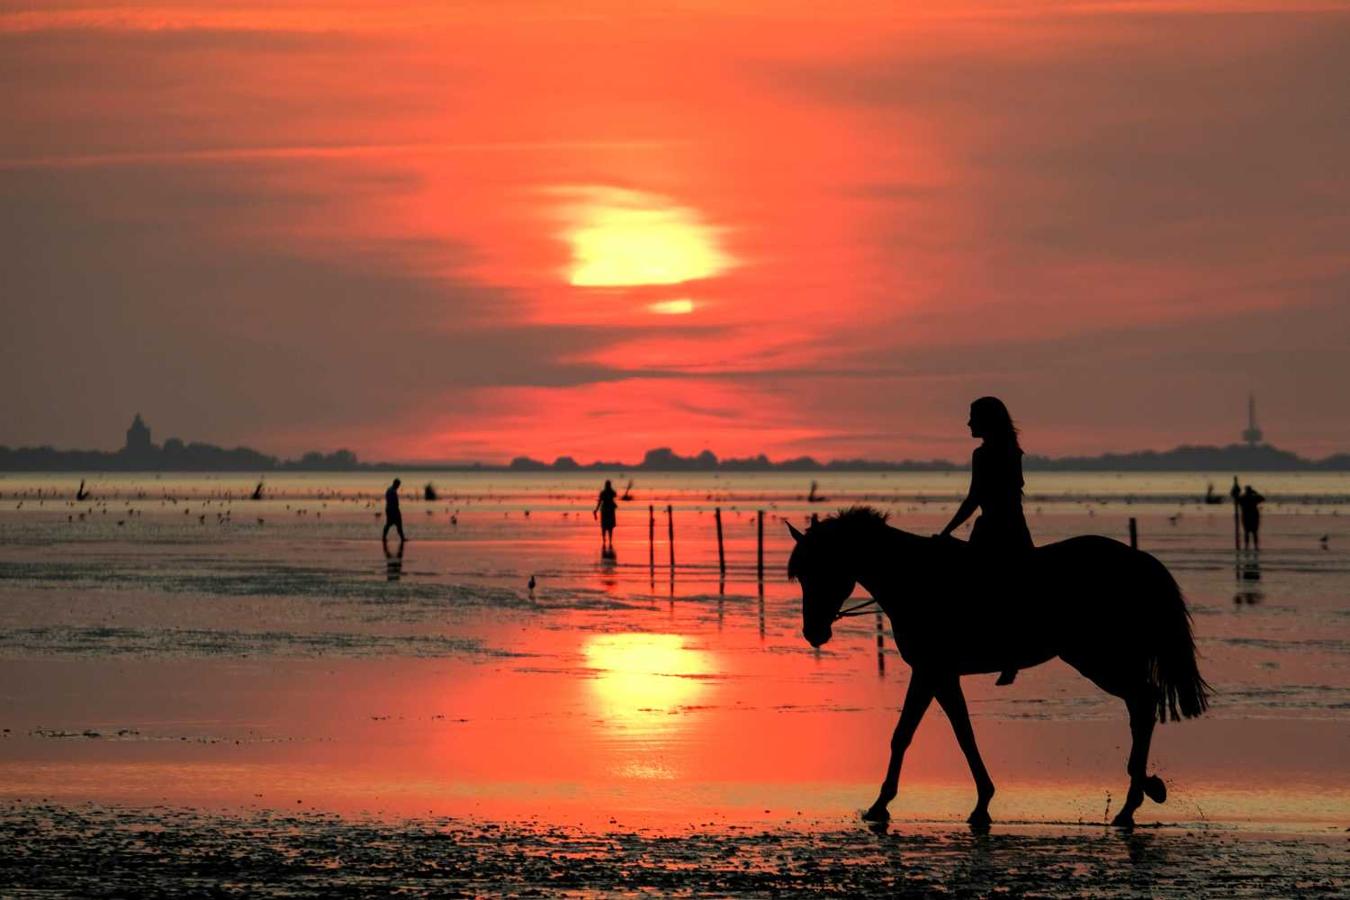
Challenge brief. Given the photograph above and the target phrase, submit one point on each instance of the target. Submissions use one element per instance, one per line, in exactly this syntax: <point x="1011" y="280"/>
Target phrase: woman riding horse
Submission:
<point x="1113" y="613"/>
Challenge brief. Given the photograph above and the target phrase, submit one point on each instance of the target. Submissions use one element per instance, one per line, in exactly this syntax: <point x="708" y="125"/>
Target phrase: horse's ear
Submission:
<point x="796" y="535"/>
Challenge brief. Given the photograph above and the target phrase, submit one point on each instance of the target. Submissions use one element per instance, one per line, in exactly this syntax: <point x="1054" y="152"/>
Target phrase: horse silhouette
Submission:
<point x="1113" y="613"/>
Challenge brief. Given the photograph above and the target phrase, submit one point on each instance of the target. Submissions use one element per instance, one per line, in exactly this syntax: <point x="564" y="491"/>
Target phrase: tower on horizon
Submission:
<point x="138" y="437"/>
<point x="1251" y="434"/>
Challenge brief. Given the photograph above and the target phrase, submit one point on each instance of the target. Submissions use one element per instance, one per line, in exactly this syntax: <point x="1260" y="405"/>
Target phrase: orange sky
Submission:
<point x="467" y="231"/>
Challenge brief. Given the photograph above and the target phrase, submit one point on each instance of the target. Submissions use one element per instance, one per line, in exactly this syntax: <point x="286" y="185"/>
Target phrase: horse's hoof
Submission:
<point x="1154" y="789"/>
<point x="1123" y="820"/>
<point x="980" y="819"/>
<point x="879" y="828"/>
<point x="877" y="814"/>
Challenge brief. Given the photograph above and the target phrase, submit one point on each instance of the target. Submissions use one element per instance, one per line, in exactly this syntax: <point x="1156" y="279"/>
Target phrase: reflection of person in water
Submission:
<point x="1249" y="502"/>
<point x="607" y="506"/>
<point x="1001" y="531"/>
<point x="393" y="516"/>
<point x="393" y="563"/>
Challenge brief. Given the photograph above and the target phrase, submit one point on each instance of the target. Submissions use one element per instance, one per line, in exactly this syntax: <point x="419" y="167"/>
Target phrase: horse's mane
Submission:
<point x="856" y="523"/>
<point x="859" y="517"/>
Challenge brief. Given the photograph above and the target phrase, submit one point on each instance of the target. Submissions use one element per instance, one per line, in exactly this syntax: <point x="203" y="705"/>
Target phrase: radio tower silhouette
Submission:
<point x="1252" y="435"/>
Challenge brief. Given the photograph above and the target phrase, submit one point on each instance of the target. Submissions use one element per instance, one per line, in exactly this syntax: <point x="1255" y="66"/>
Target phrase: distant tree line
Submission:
<point x="1235" y="457"/>
<point x="177" y="456"/>
<point x="173" y="456"/>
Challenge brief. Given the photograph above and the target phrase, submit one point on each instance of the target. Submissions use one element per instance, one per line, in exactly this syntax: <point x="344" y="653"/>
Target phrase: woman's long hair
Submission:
<point x="995" y="421"/>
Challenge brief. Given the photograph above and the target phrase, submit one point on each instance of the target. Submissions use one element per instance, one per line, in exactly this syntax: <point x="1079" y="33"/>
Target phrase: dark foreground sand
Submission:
<point x="92" y="851"/>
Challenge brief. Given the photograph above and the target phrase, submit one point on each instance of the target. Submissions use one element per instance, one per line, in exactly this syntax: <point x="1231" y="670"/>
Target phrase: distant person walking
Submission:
<point x="1000" y="531"/>
<point x="393" y="517"/>
<point x="607" y="507"/>
<point x="1250" y="504"/>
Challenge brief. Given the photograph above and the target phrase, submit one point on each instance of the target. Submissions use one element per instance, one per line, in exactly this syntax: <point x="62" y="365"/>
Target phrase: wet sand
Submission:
<point x="270" y="696"/>
<point x="95" y="852"/>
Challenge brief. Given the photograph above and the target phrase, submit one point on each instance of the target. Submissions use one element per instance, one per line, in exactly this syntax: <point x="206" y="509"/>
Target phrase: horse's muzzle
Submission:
<point x="817" y="636"/>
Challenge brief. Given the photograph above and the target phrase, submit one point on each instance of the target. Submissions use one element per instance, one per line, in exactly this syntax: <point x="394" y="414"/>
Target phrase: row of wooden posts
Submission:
<point x="759" y="549"/>
<point x="721" y="550"/>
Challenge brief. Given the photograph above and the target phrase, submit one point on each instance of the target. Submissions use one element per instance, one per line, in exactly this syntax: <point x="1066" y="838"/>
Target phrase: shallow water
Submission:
<point x="182" y="645"/>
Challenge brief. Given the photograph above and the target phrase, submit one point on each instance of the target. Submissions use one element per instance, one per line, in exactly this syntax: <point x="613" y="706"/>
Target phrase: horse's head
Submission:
<point x="817" y="565"/>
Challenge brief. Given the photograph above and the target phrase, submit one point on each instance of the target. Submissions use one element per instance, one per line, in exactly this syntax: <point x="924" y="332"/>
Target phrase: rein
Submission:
<point x="858" y="609"/>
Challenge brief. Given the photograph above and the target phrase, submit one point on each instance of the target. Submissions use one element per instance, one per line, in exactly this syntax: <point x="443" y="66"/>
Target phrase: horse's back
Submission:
<point x="1085" y="588"/>
<point x="1094" y="564"/>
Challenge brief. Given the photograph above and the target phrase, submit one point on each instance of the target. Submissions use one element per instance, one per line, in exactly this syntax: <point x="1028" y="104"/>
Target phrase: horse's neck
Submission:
<point x="889" y="557"/>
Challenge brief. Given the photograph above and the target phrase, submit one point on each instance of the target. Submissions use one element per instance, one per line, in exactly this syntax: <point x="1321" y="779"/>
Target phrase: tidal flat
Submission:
<point x="204" y="694"/>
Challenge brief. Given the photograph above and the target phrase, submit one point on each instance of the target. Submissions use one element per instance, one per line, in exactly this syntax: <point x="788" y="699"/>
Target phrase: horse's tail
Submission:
<point x="1181" y="690"/>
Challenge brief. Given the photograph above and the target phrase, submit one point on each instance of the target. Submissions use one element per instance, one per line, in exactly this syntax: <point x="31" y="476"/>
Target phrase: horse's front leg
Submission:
<point x="953" y="702"/>
<point x="917" y="698"/>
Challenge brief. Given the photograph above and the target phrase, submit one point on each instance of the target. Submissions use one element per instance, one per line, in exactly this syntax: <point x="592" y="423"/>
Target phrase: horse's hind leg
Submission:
<point x="1141" y="705"/>
<point x="953" y="702"/>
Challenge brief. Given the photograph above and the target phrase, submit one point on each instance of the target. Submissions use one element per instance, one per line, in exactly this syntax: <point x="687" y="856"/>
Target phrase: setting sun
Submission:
<point x="626" y="238"/>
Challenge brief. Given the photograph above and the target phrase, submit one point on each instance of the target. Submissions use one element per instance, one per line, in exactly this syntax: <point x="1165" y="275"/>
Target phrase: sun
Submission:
<point x="623" y="238"/>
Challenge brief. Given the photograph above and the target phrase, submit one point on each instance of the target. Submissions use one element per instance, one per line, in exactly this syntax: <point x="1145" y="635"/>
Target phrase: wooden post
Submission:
<point x="881" y="645"/>
<point x="760" y="553"/>
<point x="670" y="532"/>
<point x="1134" y="534"/>
<point x="721" y="554"/>
<point x="761" y="609"/>
<point x="651" y="538"/>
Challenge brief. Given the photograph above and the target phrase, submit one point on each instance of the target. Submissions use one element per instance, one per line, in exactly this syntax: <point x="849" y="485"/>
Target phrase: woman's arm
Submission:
<point x="972" y="502"/>
<point x="967" y="507"/>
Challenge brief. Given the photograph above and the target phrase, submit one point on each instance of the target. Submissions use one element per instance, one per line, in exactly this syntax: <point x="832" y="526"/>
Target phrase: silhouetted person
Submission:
<point x="1000" y="532"/>
<point x="1250" y="504"/>
<point x="81" y="494"/>
<point x="257" y="492"/>
<point x="607" y="506"/>
<point x="393" y="518"/>
<point x="429" y="492"/>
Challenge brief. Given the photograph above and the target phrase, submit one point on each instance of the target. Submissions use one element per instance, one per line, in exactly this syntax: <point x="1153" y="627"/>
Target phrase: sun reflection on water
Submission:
<point x="644" y="682"/>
